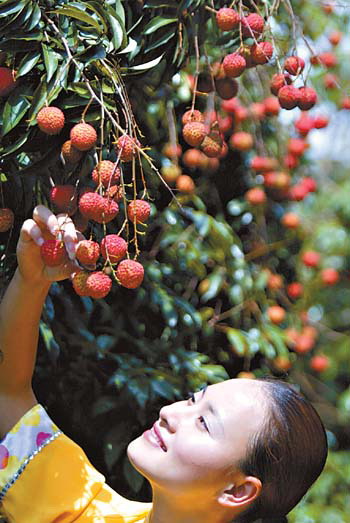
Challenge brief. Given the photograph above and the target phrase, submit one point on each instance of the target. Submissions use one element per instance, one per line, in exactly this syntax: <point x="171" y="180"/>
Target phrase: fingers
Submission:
<point x="31" y="231"/>
<point x="46" y="219"/>
<point x="69" y="234"/>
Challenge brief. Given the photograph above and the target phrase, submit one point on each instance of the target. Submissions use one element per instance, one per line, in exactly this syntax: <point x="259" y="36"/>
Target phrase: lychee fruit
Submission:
<point x="79" y="283"/>
<point x="227" y="18"/>
<point x="234" y="65"/>
<point x="192" y="116"/>
<point x="304" y="124"/>
<point x="139" y="211"/>
<point x="130" y="274"/>
<point x="50" y="120"/>
<point x="64" y="198"/>
<point x="290" y="220"/>
<point x="242" y="141"/>
<point x="114" y="247"/>
<point x="311" y="258"/>
<point x="334" y="37"/>
<point x="185" y="184"/>
<point x="98" y="284"/>
<point x="320" y="363"/>
<point x="171" y="172"/>
<point x="83" y="136"/>
<point x="320" y="121"/>
<point x="294" y="65"/>
<point x="307" y="98"/>
<point x="7" y="80"/>
<point x="276" y="314"/>
<point x="6" y="219"/>
<point x="94" y="207"/>
<point x="295" y="290"/>
<point x="212" y="144"/>
<point x="127" y="147"/>
<point x="193" y="158"/>
<point x="115" y="192"/>
<point x="279" y="80"/>
<point x="252" y="25"/>
<point x="272" y="106"/>
<point x="261" y="52"/>
<point x="255" y="196"/>
<point x="70" y="153"/>
<point x="194" y="133"/>
<point x="172" y="150"/>
<point x="263" y="163"/>
<point x="87" y="252"/>
<point x="53" y="253"/>
<point x="226" y="88"/>
<point x="288" y="97"/>
<point x="106" y="172"/>
<point x="329" y="276"/>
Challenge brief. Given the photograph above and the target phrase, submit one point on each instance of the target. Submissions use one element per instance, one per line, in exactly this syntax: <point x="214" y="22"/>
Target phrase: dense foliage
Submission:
<point x="215" y="261"/>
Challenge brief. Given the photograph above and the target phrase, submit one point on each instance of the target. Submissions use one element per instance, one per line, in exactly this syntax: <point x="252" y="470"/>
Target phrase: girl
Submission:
<point x="237" y="451"/>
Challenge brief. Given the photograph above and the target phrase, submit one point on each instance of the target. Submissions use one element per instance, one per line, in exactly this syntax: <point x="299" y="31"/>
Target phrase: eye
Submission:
<point x="192" y="398"/>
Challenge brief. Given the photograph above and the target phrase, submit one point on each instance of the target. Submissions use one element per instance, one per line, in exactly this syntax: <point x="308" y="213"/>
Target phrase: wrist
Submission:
<point x="36" y="285"/>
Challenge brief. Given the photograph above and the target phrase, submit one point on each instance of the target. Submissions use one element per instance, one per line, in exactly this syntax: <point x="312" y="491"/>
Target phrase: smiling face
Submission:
<point x="204" y="438"/>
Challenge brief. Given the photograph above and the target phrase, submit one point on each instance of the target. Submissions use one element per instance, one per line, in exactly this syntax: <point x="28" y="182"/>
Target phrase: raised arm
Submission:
<point x="21" y="308"/>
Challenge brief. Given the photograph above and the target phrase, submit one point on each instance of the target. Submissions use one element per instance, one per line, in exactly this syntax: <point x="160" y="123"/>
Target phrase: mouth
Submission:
<point x="156" y="434"/>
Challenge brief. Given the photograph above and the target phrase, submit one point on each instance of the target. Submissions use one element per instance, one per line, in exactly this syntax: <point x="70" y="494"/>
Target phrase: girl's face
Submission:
<point x="204" y="438"/>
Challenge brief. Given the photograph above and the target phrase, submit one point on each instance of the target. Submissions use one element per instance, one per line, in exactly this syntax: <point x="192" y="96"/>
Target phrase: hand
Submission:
<point x="45" y="226"/>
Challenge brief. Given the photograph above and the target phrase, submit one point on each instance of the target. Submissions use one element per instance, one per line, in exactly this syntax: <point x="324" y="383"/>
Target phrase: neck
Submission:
<point x="179" y="509"/>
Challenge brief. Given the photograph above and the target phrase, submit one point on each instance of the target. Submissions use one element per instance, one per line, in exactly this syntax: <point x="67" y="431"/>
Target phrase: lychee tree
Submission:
<point x="180" y="137"/>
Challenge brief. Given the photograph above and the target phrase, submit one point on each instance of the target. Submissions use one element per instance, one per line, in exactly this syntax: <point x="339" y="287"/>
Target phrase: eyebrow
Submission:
<point x="213" y="410"/>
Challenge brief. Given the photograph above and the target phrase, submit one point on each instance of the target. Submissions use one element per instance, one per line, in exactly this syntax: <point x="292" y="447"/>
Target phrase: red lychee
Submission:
<point x="64" y="198"/>
<point x="50" y="120"/>
<point x="87" y="252"/>
<point x="307" y="98"/>
<point x="263" y="163"/>
<point x="272" y="106"/>
<point x="95" y="207"/>
<point x="7" y="80"/>
<point x="115" y="192"/>
<point x="290" y="220"/>
<point x="255" y="196"/>
<point x="98" y="284"/>
<point x="320" y="121"/>
<point x="194" y="158"/>
<point x="330" y="276"/>
<point x="288" y="96"/>
<point x="130" y="273"/>
<point x="304" y="124"/>
<point x="139" y="211"/>
<point x="234" y="65"/>
<point x="83" y="136"/>
<point x="320" y="363"/>
<point x="194" y="133"/>
<point x="327" y="59"/>
<point x="294" y="65"/>
<point x="114" y="247"/>
<point x="276" y="314"/>
<point x="335" y="37"/>
<point x="53" y="253"/>
<point x="106" y="172"/>
<point x="70" y="153"/>
<point x="311" y="258"/>
<point x="252" y="25"/>
<point x="295" y="290"/>
<point x="262" y="52"/>
<point x="227" y="18"/>
<point x="6" y="219"/>
<point x="296" y="146"/>
<point x="172" y="151"/>
<point x="242" y="141"/>
<point x="279" y="80"/>
<point x="126" y="147"/>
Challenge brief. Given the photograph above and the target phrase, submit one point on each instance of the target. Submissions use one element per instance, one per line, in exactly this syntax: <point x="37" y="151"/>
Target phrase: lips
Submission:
<point x="155" y="430"/>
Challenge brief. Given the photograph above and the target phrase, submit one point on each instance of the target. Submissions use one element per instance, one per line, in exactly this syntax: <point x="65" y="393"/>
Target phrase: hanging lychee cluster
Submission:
<point x="94" y="205"/>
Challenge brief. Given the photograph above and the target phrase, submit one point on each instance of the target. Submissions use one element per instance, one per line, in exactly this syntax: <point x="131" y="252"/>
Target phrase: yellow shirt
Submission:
<point x="47" y="478"/>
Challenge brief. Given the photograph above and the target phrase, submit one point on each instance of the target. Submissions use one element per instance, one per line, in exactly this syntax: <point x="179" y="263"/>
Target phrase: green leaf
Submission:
<point x="114" y="443"/>
<point x="162" y="388"/>
<point x="9" y="8"/>
<point x="15" y="146"/>
<point x="157" y="23"/>
<point x="34" y="19"/>
<point x="237" y="340"/>
<point x="15" y="108"/>
<point x="27" y="63"/>
<point x="50" y="60"/>
<point x="156" y="4"/>
<point x="78" y="14"/>
<point x="215" y="280"/>
<point x="148" y="65"/>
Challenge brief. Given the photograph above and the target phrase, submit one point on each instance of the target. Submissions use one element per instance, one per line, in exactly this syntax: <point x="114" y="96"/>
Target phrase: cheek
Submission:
<point x="197" y="454"/>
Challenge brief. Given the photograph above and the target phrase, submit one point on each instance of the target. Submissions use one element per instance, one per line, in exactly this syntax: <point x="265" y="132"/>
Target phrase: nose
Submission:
<point x="172" y="415"/>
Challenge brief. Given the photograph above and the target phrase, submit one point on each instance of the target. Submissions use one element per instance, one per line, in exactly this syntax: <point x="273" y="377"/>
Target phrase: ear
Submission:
<point x="241" y="494"/>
